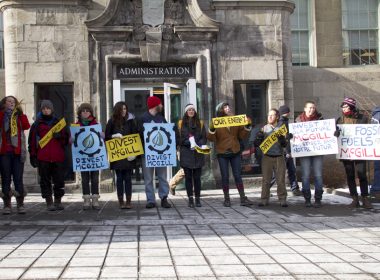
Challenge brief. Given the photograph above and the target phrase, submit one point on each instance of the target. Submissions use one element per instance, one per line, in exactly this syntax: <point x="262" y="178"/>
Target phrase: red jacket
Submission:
<point x="22" y="124"/>
<point x="54" y="151"/>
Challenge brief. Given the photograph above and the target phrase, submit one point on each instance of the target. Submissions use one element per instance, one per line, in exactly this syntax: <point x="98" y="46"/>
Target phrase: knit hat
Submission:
<point x="190" y="106"/>
<point x="85" y="106"/>
<point x="153" y="101"/>
<point x="349" y="101"/>
<point x="283" y="110"/>
<point x="47" y="104"/>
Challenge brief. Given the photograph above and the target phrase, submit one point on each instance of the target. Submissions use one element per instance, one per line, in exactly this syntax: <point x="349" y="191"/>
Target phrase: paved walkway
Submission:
<point x="212" y="242"/>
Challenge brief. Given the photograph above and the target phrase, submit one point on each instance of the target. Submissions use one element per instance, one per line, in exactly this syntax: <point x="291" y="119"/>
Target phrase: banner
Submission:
<point x="313" y="138"/>
<point x="359" y="142"/>
<point x="48" y="136"/>
<point x="230" y="121"/>
<point x="160" y="144"/>
<point x="121" y="148"/>
<point x="273" y="138"/>
<point x="88" y="149"/>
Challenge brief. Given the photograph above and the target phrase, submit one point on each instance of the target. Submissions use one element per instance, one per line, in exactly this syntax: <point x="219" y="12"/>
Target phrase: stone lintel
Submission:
<point x="111" y="33"/>
<point x="192" y="33"/>
<point x="267" y="4"/>
<point x="4" y="4"/>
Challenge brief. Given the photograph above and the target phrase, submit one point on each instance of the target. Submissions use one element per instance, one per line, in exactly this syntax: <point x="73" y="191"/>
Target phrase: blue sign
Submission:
<point x="88" y="148"/>
<point x="160" y="144"/>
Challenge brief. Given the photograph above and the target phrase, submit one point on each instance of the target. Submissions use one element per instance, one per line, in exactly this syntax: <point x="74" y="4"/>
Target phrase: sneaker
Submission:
<point x="150" y="205"/>
<point x="165" y="203"/>
<point x="297" y="192"/>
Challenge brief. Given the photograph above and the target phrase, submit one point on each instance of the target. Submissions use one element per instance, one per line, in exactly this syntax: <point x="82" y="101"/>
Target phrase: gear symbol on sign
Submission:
<point x="157" y="139"/>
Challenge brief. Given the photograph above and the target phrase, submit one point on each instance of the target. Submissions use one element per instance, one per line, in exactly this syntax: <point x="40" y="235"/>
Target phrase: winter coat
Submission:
<point x="281" y="121"/>
<point x="54" y="151"/>
<point x="128" y="127"/>
<point x="20" y="147"/>
<point x="190" y="158"/>
<point x="357" y="118"/>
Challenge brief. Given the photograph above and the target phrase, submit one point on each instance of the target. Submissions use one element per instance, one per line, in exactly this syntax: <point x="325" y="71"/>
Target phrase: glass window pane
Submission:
<point x="300" y="33"/>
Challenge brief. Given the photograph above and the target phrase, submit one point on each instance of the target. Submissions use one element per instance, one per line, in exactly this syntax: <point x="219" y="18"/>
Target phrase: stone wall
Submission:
<point x="2" y="83"/>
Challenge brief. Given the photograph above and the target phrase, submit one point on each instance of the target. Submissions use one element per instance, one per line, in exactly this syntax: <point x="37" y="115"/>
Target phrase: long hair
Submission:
<point x="186" y="120"/>
<point x="220" y="109"/>
<point x="17" y="103"/>
<point x="117" y="115"/>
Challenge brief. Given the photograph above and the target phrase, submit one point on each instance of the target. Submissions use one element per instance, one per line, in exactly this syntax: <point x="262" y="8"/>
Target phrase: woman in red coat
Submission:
<point x="13" y="122"/>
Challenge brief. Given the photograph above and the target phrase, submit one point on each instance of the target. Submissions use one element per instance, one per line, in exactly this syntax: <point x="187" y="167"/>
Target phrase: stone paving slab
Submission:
<point x="211" y="242"/>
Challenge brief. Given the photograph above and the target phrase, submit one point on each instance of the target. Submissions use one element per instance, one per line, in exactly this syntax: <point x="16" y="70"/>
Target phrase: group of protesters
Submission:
<point x="190" y="131"/>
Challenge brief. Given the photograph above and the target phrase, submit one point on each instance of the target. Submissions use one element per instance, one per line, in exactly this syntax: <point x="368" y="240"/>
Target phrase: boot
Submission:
<point x="191" y="202"/>
<point x="128" y="204"/>
<point x="244" y="201"/>
<point x="86" y="202"/>
<point x="121" y="202"/>
<point x="366" y="203"/>
<point x="227" y="201"/>
<point x="355" y="202"/>
<point x="263" y="202"/>
<point x="317" y="203"/>
<point x="49" y="204"/>
<point x="318" y="198"/>
<point x="58" y="203"/>
<point x="198" y="201"/>
<point x="165" y="203"/>
<point x="283" y="203"/>
<point x="95" y="201"/>
<point x="20" y="205"/>
<point x="7" y="206"/>
<point x="307" y="196"/>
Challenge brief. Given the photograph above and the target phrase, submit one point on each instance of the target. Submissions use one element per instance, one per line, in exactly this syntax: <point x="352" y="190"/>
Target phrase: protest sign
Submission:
<point x="121" y="148"/>
<point x="160" y="144"/>
<point x="230" y="121"/>
<point x="359" y="142"/>
<point x="88" y="149"/>
<point x="273" y="138"/>
<point x="313" y="138"/>
<point x="48" y="136"/>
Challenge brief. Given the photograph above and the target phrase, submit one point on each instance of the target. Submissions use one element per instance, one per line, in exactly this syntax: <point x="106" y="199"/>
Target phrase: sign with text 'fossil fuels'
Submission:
<point x="155" y="71"/>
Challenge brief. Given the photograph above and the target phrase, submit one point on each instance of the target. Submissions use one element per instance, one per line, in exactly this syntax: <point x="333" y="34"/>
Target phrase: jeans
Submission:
<point x="360" y="166"/>
<point x="315" y="162"/>
<point x="12" y="167"/>
<point x="52" y="171"/>
<point x="224" y="163"/>
<point x="123" y="182"/>
<point x="86" y="177"/>
<point x="163" y="189"/>
<point x="193" y="179"/>
<point x="375" y="188"/>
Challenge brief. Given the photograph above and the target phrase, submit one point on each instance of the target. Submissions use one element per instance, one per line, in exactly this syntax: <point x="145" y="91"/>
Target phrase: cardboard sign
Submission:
<point x="121" y="148"/>
<point x="313" y="138"/>
<point x="160" y="144"/>
<point x="359" y="142"/>
<point x="273" y="138"/>
<point x="230" y="121"/>
<point x="48" y="136"/>
<point x="88" y="148"/>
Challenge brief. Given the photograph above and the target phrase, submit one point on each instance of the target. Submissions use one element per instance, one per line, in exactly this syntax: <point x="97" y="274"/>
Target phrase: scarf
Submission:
<point x="86" y="122"/>
<point x="313" y="117"/>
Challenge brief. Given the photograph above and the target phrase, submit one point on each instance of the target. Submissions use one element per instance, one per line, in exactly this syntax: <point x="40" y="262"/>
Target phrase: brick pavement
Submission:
<point x="212" y="242"/>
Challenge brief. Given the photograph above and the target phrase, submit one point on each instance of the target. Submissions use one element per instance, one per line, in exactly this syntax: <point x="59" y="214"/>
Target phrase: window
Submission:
<point x="1" y="42"/>
<point x="299" y="21"/>
<point x="360" y="32"/>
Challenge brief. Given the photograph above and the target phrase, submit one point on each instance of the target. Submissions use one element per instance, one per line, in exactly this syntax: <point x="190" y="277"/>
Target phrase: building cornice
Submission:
<point x="4" y="4"/>
<point x="279" y="4"/>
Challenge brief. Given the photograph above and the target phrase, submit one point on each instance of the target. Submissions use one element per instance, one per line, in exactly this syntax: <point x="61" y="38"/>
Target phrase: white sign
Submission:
<point x="359" y="142"/>
<point x="313" y="138"/>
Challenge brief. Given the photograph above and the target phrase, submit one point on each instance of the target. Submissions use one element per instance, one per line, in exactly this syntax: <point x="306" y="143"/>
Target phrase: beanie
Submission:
<point x="350" y="102"/>
<point x="190" y="106"/>
<point x="153" y="101"/>
<point x="85" y="106"/>
<point x="47" y="104"/>
<point x="283" y="110"/>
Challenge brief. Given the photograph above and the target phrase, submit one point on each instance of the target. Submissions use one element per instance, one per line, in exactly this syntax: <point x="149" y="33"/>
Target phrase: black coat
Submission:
<point x="129" y="127"/>
<point x="190" y="158"/>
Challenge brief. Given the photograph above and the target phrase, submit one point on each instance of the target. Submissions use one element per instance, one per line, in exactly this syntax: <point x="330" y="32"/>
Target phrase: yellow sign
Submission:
<point x="48" y="136"/>
<point x="273" y="138"/>
<point x="230" y="121"/>
<point x="121" y="148"/>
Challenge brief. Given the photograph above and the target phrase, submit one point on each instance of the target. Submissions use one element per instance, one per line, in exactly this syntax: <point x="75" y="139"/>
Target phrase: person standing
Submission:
<point x="153" y="115"/>
<point x="49" y="159"/>
<point x="351" y="115"/>
<point x="118" y="126"/>
<point x="85" y="114"/>
<point x="227" y="145"/>
<point x="13" y="123"/>
<point x="190" y="160"/>
<point x="273" y="160"/>
<point x="310" y="113"/>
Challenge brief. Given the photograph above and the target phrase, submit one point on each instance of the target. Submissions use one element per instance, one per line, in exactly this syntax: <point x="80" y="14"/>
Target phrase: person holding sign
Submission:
<point x="13" y="122"/>
<point x="191" y="128"/>
<point x="351" y="115"/>
<point x="316" y="162"/>
<point x="49" y="157"/>
<point x="273" y="158"/>
<point x="85" y="114"/>
<point x="118" y="126"/>
<point x="227" y="146"/>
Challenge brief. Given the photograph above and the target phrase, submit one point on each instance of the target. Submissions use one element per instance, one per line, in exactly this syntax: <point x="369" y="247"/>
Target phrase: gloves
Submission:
<point x="337" y="133"/>
<point x="259" y="139"/>
<point x="289" y="136"/>
<point x="117" y="135"/>
<point x="56" y="135"/>
<point x="282" y="140"/>
<point x="33" y="161"/>
<point x="211" y="127"/>
<point x="131" y="158"/>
